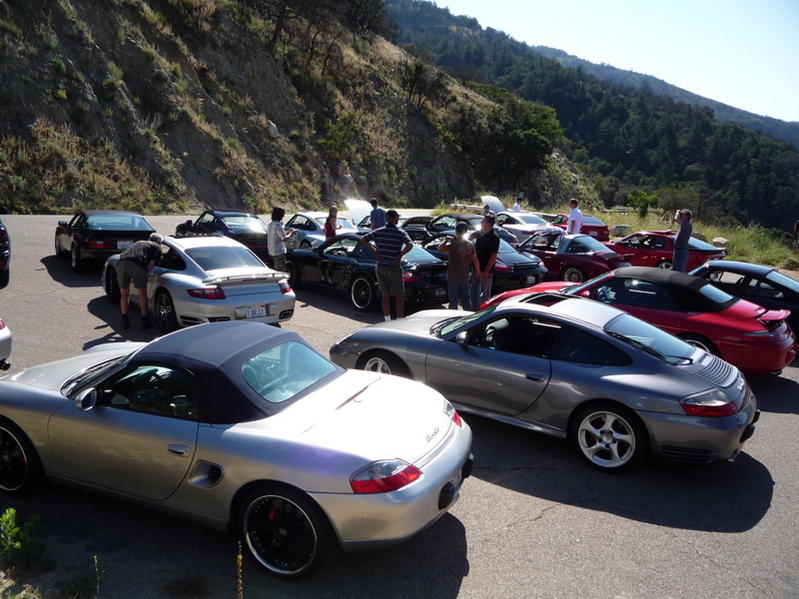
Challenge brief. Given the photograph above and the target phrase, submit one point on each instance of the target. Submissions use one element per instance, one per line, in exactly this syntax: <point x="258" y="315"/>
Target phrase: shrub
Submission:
<point x="17" y="550"/>
<point x="60" y="94"/>
<point x="338" y="142"/>
<point x="59" y="67"/>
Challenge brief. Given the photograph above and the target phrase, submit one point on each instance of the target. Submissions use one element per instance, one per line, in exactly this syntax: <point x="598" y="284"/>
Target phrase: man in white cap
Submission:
<point x="134" y="264"/>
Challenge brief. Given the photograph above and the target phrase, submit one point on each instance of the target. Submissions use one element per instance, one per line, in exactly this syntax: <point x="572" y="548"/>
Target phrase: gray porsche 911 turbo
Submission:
<point x="241" y="426"/>
<point x="618" y="388"/>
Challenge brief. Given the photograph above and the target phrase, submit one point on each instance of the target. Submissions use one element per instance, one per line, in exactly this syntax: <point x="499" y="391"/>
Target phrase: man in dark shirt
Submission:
<point x="134" y="264"/>
<point x="377" y="217"/>
<point x="487" y="248"/>
<point x="679" y="261"/>
<point x="390" y="243"/>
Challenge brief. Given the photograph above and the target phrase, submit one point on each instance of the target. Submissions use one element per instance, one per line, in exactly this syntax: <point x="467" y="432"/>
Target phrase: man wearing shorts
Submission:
<point x="134" y="264"/>
<point x="390" y="243"/>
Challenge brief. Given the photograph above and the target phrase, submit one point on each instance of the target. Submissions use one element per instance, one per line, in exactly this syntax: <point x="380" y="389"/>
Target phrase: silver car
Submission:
<point x="242" y="427"/>
<point x="309" y="227"/>
<point x="616" y="387"/>
<point x="209" y="279"/>
<point x="5" y="346"/>
<point x="523" y="224"/>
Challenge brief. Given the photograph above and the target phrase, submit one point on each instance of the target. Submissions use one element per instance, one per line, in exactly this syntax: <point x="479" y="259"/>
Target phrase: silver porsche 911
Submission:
<point x="209" y="279"/>
<point x="5" y="346"/>
<point x="616" y="387"/>
<point x="241" y="426"/>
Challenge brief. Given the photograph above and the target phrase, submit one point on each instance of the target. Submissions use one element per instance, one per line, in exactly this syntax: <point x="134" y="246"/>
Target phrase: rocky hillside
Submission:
<point x="168" y="105"/>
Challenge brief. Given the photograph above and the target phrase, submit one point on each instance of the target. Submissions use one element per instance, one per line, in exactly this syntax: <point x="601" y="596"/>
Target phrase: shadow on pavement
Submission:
<point x="61" y="272"/>
<point x="112" y="331"/>
<point x="720" y="497"/>
<point x="329" y="300"/>
<point x="776" y="394"/>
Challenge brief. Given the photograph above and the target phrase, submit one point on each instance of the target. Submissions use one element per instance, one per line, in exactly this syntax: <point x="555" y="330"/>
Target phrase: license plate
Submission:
<point x="592" y="233"/>
<point x="439" y="292"/>
<point x="530" y="280"/>
<point x="255" y="312"/>
<point x="123" y="245"/>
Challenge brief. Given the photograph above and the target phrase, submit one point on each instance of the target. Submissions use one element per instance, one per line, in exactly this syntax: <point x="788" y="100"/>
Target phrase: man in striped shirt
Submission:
<point x="390" y="243"/>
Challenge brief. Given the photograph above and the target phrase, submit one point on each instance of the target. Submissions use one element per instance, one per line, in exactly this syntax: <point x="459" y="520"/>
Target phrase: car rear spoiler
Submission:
<point x="267" y="276"/>
<point x="773" y="315"/>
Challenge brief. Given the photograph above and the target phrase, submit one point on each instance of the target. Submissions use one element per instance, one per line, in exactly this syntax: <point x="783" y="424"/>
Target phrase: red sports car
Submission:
<point x="591" y="226"/>
<point x="573" y="258"/>
<point x="753" y="338"/>
<point x="656" y="248"/>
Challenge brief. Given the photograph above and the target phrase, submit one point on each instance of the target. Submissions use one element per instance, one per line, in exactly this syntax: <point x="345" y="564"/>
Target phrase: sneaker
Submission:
<point x="125" y="321"/>
<point x="146" y="323"/>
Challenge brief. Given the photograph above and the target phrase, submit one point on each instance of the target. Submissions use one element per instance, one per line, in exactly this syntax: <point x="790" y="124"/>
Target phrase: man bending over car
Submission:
<point x="134" y="264"/>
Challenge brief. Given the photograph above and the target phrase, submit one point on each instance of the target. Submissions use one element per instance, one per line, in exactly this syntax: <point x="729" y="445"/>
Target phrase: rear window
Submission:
<point x="785" y="281"/>
<point x="530" y="219"/>
<point x="117" y="222"/>
<point x="592" y="220"/>
<point x="716" y="295"/>
<point x="698" y="244"/>
<point x="218" y="257"/>
<point x="245" y="222"/>
<point x="285" y="370"/>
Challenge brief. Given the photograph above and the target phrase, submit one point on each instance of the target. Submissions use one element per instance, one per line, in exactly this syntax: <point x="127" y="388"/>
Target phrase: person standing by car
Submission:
<point x="486" y="248"/>
<point x="517" y="207"/>
<point x="390" y="243"/>
<point x="134" y="264"/>
<point x="276" y="237"/>
<point x="331" y="222"/>
<point x="462" y="255"/>
<point x="575" y="222"/>
<point x="680" y="258"/>
<point x="377" y="217"/>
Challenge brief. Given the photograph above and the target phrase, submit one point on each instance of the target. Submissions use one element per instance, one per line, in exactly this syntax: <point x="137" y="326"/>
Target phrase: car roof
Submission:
<point x="202" y="241"/>
<point x="115" y="212"/>
<point x="740" y="267"/>
<point x="224" y="213"/>
<point x="462" y="215"/>
<point x="585" y="310"/>
<point x="314" y="214"/>
<point x="663" y="276"/>
<point x="522" y="213"/>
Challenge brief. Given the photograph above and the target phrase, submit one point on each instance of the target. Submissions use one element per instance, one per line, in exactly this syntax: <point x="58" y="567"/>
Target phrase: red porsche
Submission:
<point x="753" y="338"/>
<point x="591" y="226"/>
<point x="656" y="248"/>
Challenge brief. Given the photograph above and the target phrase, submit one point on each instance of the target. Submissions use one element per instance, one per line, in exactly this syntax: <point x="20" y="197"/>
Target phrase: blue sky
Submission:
<point x="741" y="52"/>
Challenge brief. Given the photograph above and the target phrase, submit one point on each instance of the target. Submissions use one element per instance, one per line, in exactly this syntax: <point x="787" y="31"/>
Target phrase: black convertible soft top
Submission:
<point x="215" y="353"/>
<point x="687" y="288"/>
<point x="663" y="276"/>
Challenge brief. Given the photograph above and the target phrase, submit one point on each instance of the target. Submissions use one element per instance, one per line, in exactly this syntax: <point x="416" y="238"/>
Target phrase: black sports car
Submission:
<point x="93" y="235"/>
<point x="446" y="223"/>
<point x="244" y="227"/>
<point x="513" y="269"/>
<point x="762" y="285"/>
<point x="344" y="264"/>
<point x="5" y="255"/>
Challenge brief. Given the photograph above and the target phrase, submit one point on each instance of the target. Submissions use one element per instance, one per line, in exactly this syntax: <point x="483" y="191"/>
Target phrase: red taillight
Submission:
<point x="2" y="325"/>
<point x="711" y="404"/>
<point x="383" y="477"/>
<point x="284" y="286"/>
<point x="99" y="245"/>
<point x="501" y="267"/>
<point x="409" y="276"/>
<point x="456" y="418"/>
<point x="209" y="293"/>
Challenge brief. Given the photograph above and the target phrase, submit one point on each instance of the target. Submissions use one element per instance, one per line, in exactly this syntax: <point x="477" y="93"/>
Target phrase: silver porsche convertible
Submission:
<point x="209" y="279"/>
<point x="617" y="387"/>
<point x="241" y="426"/>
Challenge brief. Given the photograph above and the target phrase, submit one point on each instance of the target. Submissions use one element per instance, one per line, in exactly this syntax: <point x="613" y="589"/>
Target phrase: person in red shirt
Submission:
<point x="331" y="223"/>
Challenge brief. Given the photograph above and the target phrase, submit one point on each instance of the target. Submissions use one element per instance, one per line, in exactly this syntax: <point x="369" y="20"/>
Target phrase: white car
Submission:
<point x="5" y="346"/>
<point x="523" y="224"/>
<point x="310" y="232"/>
<point x="209" y="279"/>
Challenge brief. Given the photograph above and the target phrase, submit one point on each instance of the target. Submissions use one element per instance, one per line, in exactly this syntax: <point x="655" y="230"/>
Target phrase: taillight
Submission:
<point x="711" y="404"/>
<point x="284" y="286"/>
<point x="454" y="416"/>
<point x="384" y="476"/>
<point x="2" y="325"/>
<point x="501" y="267"/>
<point x="408" y="276"/>
<point x="209" y="293"/>
<point x="98" y="245"/>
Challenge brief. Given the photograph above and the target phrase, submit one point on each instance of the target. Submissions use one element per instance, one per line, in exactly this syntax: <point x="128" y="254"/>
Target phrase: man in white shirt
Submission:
<point x="575" y="222"/>
<point x="517" y="207"/>
<point x="276" y="237"/>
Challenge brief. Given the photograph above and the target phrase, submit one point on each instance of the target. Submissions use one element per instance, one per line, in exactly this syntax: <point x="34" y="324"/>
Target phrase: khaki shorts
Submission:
<point x="127" y="271"/>
<point x="279" y="262"/>
<point x="389" y="280"/>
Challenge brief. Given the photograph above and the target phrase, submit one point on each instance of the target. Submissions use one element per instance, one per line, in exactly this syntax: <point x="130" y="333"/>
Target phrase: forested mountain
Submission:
<point x="786" y="131"/>
<point x="627" y="136"/>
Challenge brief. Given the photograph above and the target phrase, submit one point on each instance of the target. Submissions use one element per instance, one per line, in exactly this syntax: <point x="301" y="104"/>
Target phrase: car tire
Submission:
<point x="271" y="514"/>
<point x="383" y="362"/>
<point x="665" y="265"/>
<point x="75" y="259"/>
<point x="22" y="471"/>
<point x="5" y="276"/>
<point x="363" y="294"/>
<point x="618" y="447"/>
<point x="295" y="278"/>
<point x="165" y="318"/>
<point x="305" y="245"/>
<point x="700" y="342"/>
<point x="572" y="274"/>
<point x="59" y="251"/>
<point x="112" y="285"/>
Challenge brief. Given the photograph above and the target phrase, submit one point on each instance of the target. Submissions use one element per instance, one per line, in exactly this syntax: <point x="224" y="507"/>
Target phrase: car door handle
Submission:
<point x="535" y="377"/>
<point x="181" y="450"/>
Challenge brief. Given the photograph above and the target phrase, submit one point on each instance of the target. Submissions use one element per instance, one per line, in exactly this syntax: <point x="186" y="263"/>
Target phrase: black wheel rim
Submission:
<point x="165" y="310"/>
<point x="361" y="293"/>
<point x="574" y="276"/>
<point x="13" y="462"/>
<point x="280" y="534"/>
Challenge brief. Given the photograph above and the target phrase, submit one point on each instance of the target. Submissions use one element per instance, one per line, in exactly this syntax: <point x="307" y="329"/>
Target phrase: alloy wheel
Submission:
<point x="698" y="344"/>
<point x="13" y="462"/>
<point x="361" y="294"/>
<point x="665" y="265"/>
<point x="280" y="535"/>
<point x="606" y="439"/>
<point x="164" y="311"/>
<point x="377" y="364"/>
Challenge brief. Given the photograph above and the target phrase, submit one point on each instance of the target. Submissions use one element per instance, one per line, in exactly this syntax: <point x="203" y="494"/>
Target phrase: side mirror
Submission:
<point x="86" y="399"/>
<point x="462" y="338"/>
<point x="63" y="223"/>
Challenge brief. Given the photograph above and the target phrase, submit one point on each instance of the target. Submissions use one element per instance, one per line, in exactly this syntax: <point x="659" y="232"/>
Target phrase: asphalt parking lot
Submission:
<point x="533" y="521"/>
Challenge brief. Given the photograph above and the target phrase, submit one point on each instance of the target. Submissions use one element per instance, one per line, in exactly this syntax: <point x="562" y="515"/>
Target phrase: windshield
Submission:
<point x="217" y="257"/>
<point x="285" y="370"/>
<point x="716" y="295"/>
<point x="649" y="339"/>
<point x="592" y="220"/>
<point x="445" y="327"/>
<point x="342" y="223"/>
<point x="531" y="219"/>
<point x="117" y="222"/>
<point x="250" y="223"/>
<point x="89" y="376"/>
<point x="577" y="289"/>
<point x="505" y="247"/>
<point x="785" y="281"/>
<point x="591" y="244"/>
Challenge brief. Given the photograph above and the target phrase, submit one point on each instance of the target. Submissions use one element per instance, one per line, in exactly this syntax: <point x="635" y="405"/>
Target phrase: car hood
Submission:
<point x="420" y="322"/>
<point x="550" y="286"/>
<point x="359" y="209"/>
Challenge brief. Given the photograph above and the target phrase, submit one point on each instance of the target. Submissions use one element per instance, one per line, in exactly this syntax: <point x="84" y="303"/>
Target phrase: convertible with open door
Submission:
<point x="616" y="387"/>
<point x="246" y="428"/>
